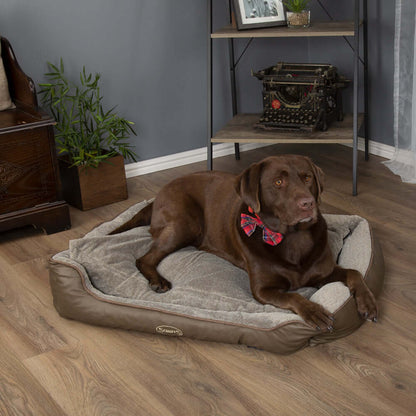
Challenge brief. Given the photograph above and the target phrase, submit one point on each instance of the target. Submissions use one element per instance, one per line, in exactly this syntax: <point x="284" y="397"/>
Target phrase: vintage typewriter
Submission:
<point x="300" y="96"/>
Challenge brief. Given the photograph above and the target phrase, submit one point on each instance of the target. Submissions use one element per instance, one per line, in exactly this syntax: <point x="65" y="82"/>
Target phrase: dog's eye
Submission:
<point x="279" y="182"/>
<point x="308" y="178"/>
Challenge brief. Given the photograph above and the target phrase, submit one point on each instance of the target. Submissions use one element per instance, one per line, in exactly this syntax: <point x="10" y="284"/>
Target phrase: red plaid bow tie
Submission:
<point x="249" y="224"/>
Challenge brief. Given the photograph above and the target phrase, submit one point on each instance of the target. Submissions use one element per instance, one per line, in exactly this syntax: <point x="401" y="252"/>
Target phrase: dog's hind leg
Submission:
<point x="174" y="236"/>
<point x="143" y="217"/>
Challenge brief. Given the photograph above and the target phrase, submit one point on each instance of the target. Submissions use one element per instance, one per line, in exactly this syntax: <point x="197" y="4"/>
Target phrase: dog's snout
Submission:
<point x="306" y="203"/>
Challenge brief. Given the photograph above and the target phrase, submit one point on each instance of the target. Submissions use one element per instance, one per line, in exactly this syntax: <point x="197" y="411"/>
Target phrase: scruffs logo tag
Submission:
<point x="170" y="331"/>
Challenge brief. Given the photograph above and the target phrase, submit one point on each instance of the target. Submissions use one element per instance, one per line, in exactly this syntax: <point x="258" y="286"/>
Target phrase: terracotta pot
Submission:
<point x="88" y="188"/>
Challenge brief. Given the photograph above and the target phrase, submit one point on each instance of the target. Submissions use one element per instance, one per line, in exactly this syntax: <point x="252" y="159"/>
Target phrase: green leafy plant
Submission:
<point x="85" y="132"/>
<point x="296" y="6"/>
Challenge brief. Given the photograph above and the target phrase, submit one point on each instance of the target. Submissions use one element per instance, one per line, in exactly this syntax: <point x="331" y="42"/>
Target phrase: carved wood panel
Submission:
<point x="27" y="176"/>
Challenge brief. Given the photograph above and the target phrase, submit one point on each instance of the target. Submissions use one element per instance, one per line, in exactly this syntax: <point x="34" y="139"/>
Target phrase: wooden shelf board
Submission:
<point x="327" y="28"/>
<point x="241" y="130"/>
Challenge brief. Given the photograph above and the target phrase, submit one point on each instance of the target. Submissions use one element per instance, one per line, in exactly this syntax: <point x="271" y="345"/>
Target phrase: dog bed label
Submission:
<point x="170" y="331"/>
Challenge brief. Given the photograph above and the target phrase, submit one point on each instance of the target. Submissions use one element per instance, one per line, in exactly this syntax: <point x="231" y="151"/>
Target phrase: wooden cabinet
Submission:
<point x="30" y="190"/>
<point x="240" y="128"/>
<point x="29" y="180"/>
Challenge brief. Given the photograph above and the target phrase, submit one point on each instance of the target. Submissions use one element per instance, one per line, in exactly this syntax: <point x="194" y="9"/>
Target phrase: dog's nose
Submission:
<point x="306" y="203"/>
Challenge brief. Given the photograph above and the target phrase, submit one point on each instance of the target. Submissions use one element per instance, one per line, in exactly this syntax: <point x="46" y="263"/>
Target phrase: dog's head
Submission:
<point x="287" y="188"/>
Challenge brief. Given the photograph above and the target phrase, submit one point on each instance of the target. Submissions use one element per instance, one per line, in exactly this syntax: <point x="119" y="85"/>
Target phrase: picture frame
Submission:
<point x="252" y="14"/>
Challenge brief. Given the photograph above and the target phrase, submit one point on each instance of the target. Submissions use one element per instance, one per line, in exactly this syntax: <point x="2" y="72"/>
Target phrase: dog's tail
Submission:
<point x="143" y="217"/>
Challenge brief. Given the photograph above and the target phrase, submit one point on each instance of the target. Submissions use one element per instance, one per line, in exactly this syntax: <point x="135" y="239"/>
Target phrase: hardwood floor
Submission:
<point x="53" y="366"/>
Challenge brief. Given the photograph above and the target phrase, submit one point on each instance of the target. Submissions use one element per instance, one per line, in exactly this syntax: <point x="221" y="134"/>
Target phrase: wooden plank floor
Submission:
<point x="53" y="366"/>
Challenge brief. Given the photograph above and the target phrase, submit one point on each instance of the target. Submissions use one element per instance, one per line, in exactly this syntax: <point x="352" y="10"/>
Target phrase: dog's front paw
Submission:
<point x="316" y="316"/>
<point x="366" y="305"/>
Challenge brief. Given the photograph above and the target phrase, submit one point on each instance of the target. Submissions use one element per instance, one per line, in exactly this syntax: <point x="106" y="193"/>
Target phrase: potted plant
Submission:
<point x="297" y="14"/>
<point x="91" y="142"/>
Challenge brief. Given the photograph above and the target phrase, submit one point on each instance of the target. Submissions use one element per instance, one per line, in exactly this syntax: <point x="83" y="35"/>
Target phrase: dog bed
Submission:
<point x="96" y="281"/>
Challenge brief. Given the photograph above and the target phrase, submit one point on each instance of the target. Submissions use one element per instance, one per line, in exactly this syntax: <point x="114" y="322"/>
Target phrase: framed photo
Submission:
<point x="252" y="14"/>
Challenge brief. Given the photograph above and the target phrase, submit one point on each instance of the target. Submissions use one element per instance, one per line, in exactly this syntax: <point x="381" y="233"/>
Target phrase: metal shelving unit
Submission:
<point x="240" y="130"/>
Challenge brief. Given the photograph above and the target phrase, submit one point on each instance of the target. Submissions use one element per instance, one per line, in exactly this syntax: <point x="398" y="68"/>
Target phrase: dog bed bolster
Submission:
<point x="96" y="281"/>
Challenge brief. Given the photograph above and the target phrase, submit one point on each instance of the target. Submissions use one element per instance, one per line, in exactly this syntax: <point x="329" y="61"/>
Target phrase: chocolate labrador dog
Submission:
<point x="265" y="221"/>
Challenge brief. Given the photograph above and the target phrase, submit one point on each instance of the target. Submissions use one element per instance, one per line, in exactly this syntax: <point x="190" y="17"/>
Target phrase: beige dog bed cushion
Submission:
<point x="96" y="281"/>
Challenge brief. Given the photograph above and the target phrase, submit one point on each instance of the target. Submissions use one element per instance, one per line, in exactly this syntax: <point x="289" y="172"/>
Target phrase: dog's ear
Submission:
<point x="248" y="186"/>
<point x="319" y="180"/>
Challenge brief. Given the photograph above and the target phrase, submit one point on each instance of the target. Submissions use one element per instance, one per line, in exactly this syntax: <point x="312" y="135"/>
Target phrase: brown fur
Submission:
<point x="203" y="210"/>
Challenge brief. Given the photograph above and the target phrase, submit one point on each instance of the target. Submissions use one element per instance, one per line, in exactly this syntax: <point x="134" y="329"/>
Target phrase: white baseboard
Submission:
<point x="376" y="148"/>
<point x="184" y="158"/>
<point x="224" y="149"/>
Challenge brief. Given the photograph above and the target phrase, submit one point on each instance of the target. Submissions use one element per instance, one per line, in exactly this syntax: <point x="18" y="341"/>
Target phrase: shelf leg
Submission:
<point x="237" y="151"/>
<point x="233" y="83"/>
<point x="366" y="79"/>
<point x="233" y="90"/>
<point x="355" y="106"/>
<point x="209" y="88"/>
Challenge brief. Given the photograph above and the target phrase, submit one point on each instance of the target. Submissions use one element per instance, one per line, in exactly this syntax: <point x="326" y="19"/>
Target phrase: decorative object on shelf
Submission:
<point x="297" y="13"/>
<point x="302" y="97"/>
<point x="88" y="137"/>
<point x="259" y="13"/>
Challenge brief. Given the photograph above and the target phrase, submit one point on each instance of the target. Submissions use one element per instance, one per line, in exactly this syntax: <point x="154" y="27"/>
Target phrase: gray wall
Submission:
<point x="152" y="57"/>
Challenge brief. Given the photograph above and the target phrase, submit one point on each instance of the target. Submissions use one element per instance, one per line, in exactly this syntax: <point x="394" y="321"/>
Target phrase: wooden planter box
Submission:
<point x="88" y="188"/>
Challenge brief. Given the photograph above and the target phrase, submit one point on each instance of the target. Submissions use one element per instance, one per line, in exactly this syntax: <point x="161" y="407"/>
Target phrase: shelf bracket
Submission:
<point x="344" y="37"/>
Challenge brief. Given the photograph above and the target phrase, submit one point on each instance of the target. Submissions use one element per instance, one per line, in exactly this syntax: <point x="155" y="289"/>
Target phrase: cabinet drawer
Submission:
<point x="27" y="171"/>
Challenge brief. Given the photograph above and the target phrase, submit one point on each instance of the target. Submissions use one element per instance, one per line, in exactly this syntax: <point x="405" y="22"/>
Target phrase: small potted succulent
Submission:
<point x="92" y="142"/>
<point x="297" y="13"/>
